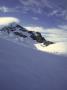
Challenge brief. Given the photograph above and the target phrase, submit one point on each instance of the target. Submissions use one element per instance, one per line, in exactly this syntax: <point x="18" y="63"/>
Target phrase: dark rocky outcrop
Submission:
<point x="21" y="28"/>
<point x="20" y="34"/>
<point x="47" y="43"/>
<point x="39" y="38"/>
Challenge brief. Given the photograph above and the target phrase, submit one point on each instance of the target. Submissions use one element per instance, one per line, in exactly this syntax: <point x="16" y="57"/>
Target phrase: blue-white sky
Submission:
<point x="45" y="13"/>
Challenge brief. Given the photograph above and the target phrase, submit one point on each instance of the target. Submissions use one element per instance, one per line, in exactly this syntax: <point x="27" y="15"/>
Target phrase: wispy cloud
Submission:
<point x="35" y="18"/>
<point x="35" y="28"/>
<point x="58" y="12"/>
<point x="5" y="9"/>
<point x="64" y="27"/>
<point x="35" y="6"/>
<point x="54" y="12"/>
<point x="45" y="7"/>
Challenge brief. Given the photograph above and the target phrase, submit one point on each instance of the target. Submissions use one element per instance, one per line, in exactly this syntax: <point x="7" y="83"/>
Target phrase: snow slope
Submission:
<point x="23" y="68"/>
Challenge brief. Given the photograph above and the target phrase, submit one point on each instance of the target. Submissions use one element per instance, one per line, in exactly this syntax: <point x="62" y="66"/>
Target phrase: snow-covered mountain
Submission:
<point x="31" y="39"/>
<point x="19" y="34"/>
<point x="23" y="68"/>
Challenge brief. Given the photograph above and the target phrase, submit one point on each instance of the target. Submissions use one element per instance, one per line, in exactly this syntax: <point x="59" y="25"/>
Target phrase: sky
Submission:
<point x="43" y="13"/>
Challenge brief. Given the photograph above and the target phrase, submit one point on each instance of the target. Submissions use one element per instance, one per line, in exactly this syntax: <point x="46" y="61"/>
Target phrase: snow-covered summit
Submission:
<point x="19" y="33"/>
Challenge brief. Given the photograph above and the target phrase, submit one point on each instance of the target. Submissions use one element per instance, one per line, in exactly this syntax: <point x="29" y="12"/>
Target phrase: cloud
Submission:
<point x="8" y="20"/>
<point x="30" y="2"/>
<point x="43" y="30"/>
<point x="59" y="13"/>
<point x="35" y="2"/>
<point x="5" y="9"/>
<point x="46" y="3"/>
<point x="55" y="34"/>
<point x="35" y="18"/>
<point x="35" y="28"/>
<point x="45" y="7"/>
<point x="54" y="12"/>
<point x="64" y="27"/>
<point x="52" y="34"/>
<point x="35" y="6"/>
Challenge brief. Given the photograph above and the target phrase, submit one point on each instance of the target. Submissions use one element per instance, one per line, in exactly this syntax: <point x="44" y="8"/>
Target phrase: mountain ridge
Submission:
<point x="21" y="32"/>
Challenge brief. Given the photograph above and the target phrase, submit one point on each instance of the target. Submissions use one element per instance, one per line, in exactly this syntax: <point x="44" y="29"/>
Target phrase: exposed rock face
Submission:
<point x="20" y="34"/>
<point x="40" y="39"/>
<point x="20" y="31"/>
<point x="47" y="43"/>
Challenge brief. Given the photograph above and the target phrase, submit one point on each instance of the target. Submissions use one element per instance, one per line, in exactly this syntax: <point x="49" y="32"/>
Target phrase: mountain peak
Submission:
<point x="18" y="31"/>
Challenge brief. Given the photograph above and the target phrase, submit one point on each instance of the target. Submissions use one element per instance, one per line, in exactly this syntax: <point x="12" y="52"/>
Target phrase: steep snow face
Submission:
<point x="22" y="68"/>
